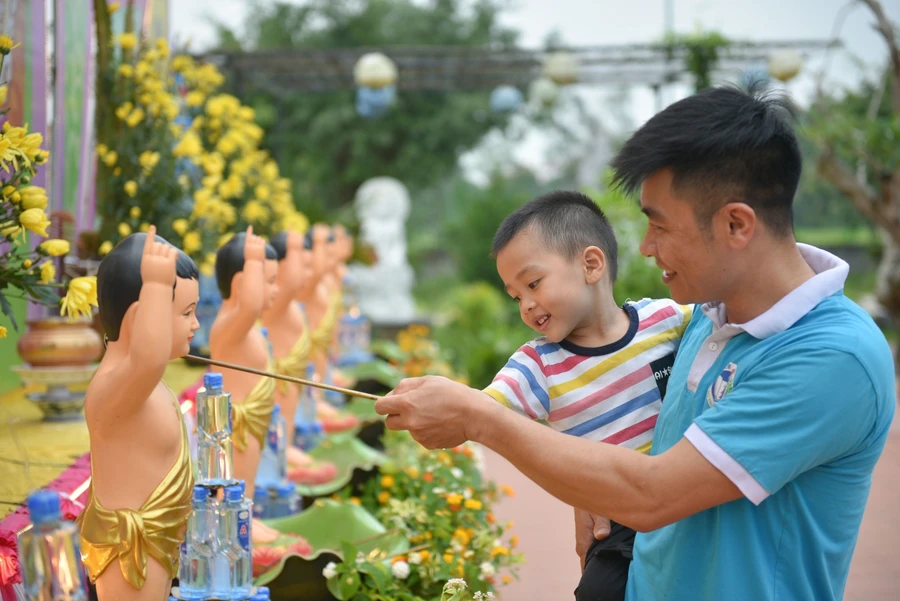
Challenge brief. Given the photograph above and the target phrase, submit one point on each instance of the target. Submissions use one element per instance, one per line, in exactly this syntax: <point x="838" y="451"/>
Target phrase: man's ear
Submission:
<point x="594" y="264"/>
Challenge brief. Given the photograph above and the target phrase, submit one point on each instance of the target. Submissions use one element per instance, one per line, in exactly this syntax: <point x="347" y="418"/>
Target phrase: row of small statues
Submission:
<point x="134" y="521"/>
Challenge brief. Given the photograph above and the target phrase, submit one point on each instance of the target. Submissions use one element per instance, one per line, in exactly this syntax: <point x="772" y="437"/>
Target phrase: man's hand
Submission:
<point x="588" y="528"/>
<point x="435" y="410"/>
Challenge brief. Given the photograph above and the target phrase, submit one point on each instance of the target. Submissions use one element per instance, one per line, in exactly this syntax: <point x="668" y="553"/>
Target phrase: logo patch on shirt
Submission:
<point x="662" y="369"/>
<point x="722" y="386"/>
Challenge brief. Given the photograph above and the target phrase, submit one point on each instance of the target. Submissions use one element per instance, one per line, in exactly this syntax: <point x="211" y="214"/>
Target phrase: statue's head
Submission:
<point x="382" y="198"/>
<point x="322" y="250"/>
<point x="303" y="279"/>
<point x="230" y="269"/>
<point x="344" y="243"/>
<point x="119" y="288"/>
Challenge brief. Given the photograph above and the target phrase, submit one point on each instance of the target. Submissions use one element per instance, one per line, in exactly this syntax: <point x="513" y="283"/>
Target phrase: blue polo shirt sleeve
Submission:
<point x="792" y="411"/>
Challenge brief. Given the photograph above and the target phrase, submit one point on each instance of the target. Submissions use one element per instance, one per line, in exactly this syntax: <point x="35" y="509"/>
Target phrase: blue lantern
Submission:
<point x="505" y="99"/>
<point x="372" y="103"/>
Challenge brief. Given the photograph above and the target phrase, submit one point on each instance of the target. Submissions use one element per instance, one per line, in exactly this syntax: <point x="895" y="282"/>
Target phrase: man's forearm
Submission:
<point x="601" y="478"/>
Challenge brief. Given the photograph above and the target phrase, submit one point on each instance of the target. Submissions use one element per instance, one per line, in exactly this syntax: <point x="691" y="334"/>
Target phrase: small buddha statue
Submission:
<point x="290" y="335"/>
<point x="139" y="499"/>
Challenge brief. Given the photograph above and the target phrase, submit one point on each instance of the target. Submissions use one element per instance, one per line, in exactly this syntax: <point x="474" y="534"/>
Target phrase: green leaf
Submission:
<point x="8" y="311"/>
<point x="334" y="587"/>
<point x="378" y="574"/>
<point x="348" y="585"/>
<point x="349" y="551"/>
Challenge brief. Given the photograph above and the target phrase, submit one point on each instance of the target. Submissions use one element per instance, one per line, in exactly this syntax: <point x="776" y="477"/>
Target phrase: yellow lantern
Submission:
<point x="784" y="65"/>
<point x="562" y="68"/>
<point x="375" y="70"/>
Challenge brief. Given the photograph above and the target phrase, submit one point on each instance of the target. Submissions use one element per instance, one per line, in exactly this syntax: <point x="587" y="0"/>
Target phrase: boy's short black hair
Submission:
<point x="230" y="261"/>
<point x="722" y="144"/>
<point x="567" y="221"/>
<point x="279" y="243"/>
<point x="119" y="280"/>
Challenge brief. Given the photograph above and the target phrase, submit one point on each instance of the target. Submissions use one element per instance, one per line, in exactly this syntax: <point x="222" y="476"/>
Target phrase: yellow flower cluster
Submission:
<point x="238" y="184"/>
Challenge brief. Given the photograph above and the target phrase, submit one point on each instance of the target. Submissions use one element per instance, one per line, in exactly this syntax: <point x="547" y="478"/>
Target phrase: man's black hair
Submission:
<point x="230" y="261"/>
<point x="722" y="145"/>
<point x="568" y="222"/>
<point x="119" y="280"/>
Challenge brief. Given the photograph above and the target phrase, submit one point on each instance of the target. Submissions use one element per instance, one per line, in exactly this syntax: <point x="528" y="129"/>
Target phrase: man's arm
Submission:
<point x="640" y="491"/>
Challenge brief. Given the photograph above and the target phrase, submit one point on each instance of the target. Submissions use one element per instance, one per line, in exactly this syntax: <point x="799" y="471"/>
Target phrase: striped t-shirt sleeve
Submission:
<point x="521" y="385"/>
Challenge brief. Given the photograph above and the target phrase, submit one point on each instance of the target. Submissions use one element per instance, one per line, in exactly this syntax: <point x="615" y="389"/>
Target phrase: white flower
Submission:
<point x="487" y="570"/>
<point x="330" y="570"/>
<point x="489" y="597"/>
<point x="467" y="494"/>
<point x="457" y="473"/>
<point x="455" y="584"/>
<point x="360" y="558"/>
<point x="498" y="543"/>
<point x="415" y="558"/>
<point x="479" y="596"/>
<point x="400" y="570"/>
<point x="439" y="490"/>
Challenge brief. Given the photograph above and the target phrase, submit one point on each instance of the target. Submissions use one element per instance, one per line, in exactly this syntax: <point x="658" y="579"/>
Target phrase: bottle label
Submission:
<point x="243" y="528"/>
<point x="273" y="439"/>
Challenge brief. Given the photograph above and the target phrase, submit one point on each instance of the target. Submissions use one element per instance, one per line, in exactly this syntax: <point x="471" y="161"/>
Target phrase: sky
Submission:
<point x="602" y="22"/>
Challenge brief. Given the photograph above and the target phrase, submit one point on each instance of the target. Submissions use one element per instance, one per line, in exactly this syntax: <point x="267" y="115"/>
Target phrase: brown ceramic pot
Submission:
<point x="56" y="341"/>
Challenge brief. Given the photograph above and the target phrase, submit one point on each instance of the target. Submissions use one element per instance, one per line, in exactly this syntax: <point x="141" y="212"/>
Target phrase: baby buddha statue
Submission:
<point x="290" y="335"/>
<point x="139" y="499"/>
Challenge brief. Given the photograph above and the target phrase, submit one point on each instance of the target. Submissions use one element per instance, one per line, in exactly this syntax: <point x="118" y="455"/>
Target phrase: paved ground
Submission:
<point x="546" y="531"/>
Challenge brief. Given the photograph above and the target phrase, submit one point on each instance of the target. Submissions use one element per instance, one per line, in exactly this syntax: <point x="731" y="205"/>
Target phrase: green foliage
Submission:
<point x="701" y="54"/>
<point x="318" y="138"/>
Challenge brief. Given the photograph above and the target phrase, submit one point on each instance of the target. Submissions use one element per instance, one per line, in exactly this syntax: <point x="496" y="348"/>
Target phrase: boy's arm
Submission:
<point x="522" y="386"/>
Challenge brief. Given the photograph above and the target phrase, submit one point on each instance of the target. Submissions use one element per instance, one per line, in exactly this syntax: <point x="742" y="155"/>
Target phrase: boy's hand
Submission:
<point x="588" y="528"/>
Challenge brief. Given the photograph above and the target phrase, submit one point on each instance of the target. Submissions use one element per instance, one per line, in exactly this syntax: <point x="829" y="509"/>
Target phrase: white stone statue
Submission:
<point x="384" y="290"/>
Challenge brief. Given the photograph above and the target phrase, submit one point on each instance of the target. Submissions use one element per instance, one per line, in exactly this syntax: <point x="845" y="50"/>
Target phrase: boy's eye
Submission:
<point x="534" y="284"/>
<point x="518" y="299"/>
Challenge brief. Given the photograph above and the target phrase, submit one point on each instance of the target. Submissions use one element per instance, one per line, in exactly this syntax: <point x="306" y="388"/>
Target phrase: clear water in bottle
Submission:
<point x="273" y="461"/>
<point x="195" y="572"/>
<point x="214" y="448"/>
<point x="50" y="554"/>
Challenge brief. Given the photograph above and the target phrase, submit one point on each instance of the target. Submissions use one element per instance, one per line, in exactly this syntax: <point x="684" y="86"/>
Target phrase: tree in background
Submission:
<point x="860" y="155"/>
<point x="318" y="138"/>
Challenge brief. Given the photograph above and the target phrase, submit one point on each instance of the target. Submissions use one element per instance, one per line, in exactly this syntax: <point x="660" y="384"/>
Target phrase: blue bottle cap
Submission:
<point x="243" y="486"/>
<point x="276" y="411"/>
<point x="258" y="596"/>
<point x="43" y="506"/>
<point x="285" y="490"/>
<point x="263" y="589"/>
<point x="233" y="494"/>
<point x="212" y="380"/>
<point x="201" y="494"/>
<point x="260" y="493"/>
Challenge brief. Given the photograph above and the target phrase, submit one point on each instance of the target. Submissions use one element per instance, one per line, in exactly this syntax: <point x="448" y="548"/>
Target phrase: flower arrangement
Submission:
<point x="234" y="183"/>
<point x="22" y="209"/>
<point x="137" y="174"/>
<point x="440" y="502"/>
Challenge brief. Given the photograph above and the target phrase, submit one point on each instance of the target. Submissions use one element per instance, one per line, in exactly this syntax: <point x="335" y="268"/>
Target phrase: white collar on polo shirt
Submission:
<point x="831" y="273"/>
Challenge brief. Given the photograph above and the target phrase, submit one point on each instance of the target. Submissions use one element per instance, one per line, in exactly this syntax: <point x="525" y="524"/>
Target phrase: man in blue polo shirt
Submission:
<point x="780" y="399"/>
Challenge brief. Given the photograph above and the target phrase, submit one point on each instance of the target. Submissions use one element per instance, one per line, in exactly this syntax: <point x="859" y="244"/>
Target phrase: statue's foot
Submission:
<point x="339" y="423"/>
<point x="296" y="457"/>
<point x="325" y="410"/>
<point x="340" y="379"/>
<point x="262" y="534"/>
<point x="312" y="474"/>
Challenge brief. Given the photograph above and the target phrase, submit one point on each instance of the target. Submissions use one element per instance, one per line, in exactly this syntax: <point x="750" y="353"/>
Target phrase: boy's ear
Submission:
<point x="594" y="264"/>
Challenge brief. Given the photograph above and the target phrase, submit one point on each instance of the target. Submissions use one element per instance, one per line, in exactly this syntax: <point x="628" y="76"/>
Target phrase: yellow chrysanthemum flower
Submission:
<point x="113" y="7"/>
<point x="124" y="110"/>
<point x="80" y="297"/>
<point x="105" y="248"/>
<point x="144" y="227"/>
<point x="6" y="45"/>
<point x="131" y="189"/>
<point x="33" y="197"/>
<point x="189" y="146"/>
<point x="135" y="117"/>
<point x="149" y="160"/>
<point x="4" y="91"/>
<point x="127" y="41"/>
<point x="135" y="212"/>
<point x="110" y="158"/>
<point x="35" y="220"/>
<point x="124" y="229"/>
<point x="55" y="248"/>
<point x="48" y="272"/>
<point x="180" y="226"/>
<point x="3" y="332"/>
<point x="126" y="71"/>
<point x="191" y="242"/>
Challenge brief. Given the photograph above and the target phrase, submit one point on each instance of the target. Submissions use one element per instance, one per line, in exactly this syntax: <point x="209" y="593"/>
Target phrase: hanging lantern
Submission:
<point x="543" y="92"/>
<point x="372" y="103"/>
<point x="562" y="68"/>
<point x="375" y="70"/>
<point x="505" y="99"/>
<point x="756" y="77"/>
<point x="784" y="65"/>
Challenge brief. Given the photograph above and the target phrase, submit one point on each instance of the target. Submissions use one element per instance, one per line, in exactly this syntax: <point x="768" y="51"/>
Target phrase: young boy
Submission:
<point x="598" y="370"/>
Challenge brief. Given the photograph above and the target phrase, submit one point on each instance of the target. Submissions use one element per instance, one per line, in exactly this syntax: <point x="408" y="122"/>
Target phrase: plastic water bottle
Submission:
<point x="49" y="553"/>
<point x="273" y="462"/>
<point x="305" y="419"/>
<point x="243" y="567"/>
<point x="247" y="505"/>
<point x="260" y="502"/>
<point x="214" y="449"/>
<point x="196" y="551"/>
<point x="225" y="546"/>
<point x="285" y="503"/>
<point x="335" y="399"/>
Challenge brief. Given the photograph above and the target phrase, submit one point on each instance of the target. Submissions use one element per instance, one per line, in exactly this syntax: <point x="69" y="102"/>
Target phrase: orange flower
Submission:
<point x="507" y="579"/>
<point x="508" y="491"/>
<point x="428" y="477"/>
<point x="513" y="541"/>
<point x="398" y="558"/>
<point x="425" y="555"/>
<point x="473" y="504"/>
<point x="499" y="551"/>
<point x="448" y="557"/>
<point x="490" y="518"/>
<point x="383" y="497"/>
<point x="355" y="501"/>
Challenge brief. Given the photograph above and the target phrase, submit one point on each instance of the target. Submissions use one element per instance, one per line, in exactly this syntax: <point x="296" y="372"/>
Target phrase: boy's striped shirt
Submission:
<point x="611" y="393"/>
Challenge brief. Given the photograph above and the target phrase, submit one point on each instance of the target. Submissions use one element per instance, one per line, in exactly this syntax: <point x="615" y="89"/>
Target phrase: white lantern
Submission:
<point x="375" y="70"/>
<point x="562" y="68"/>
<point x="543" y="92"/>
<point x="784" y="65"/>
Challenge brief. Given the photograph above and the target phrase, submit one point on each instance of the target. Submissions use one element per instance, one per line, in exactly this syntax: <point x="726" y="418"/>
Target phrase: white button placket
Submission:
<point x="710" y="350"/>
